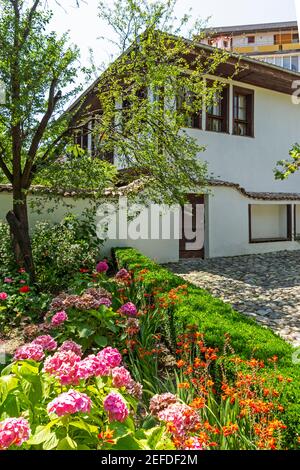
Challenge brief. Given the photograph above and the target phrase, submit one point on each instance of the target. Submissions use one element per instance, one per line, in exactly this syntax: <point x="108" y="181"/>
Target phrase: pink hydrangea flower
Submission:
<point x="64" y="366"/>
<point x="129" y="309"/>
<point x="70" y="345"/>
<point x="59" y="318"/>
<point x="122" y="275"/>
<point x="3" y="295"/>
<point x="110" y="356"/>
<point x="116" y="407"/>
<point x="102" y="267"/>
<point x="120" y="377"/>
<point x="8" y="280"/>
<point x="105" y="301"/>
<point x="13" y="431"/>
<point x="46" y="341"/>
<point x="69" y="403"/>
<point x="181" y="416"/>
<point x="92" y="366"/>
<point x="31" y="351"/>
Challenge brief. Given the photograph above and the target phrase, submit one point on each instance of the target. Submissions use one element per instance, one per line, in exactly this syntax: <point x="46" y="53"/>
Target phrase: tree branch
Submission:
<point x="29" y="21"/>
<point x="36" y="140"/>
<point x="3" y="165"/>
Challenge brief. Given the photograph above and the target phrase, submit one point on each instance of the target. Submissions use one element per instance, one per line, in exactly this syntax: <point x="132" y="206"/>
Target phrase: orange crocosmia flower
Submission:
<point x="213" y="444"/>
<point x="197" y="362"/>
<point x="229" y="430"/>
<point x="280" y="378"/>
<point x="180" y="363"/>
<point x="184" y="385"/>
<point x="107" y="436"/>
<point x="210" y="383"/>
<point x="189" y="370"/>
<point x="198" y="403"/>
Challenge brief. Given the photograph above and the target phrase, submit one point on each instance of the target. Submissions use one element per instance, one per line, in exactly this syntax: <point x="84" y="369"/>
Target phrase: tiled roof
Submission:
<point x="137" y="185"/>
<point x="265" y="196"/>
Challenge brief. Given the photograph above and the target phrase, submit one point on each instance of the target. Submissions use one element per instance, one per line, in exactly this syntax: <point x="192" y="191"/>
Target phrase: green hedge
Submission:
<point x="215" y="318"/>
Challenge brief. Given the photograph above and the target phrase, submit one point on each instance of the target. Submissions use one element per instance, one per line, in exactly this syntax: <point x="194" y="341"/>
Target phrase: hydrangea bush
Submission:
<point x="66" y="401"/>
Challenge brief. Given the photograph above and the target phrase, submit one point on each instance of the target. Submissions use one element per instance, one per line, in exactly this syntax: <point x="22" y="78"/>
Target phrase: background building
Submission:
<point x="275" y="43"/>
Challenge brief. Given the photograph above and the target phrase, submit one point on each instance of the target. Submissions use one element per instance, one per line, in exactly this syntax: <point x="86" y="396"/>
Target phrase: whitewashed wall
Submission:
<point x="162" y="251"/>
<point x="249" y="161"/>
<point x="260" y="39"/>
<point x="228" y="225"/>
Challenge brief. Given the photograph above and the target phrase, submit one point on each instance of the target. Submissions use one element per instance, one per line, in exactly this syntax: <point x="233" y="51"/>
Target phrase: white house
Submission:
<point x="245" y="211"/>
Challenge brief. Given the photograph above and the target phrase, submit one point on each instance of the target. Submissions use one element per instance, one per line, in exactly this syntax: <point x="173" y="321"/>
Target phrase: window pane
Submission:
<point x="240" y="128"/>
<point x="240" y="107"/>
<point x="287" y="62"/>
<point x="214" y="125"/>
<point x="216" y="107"/>
<point x="278" y="61"/>
<point x="295" y="63"/>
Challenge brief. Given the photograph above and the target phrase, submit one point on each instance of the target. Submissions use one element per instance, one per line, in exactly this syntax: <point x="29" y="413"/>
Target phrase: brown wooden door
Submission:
<point x="191" y="244"/>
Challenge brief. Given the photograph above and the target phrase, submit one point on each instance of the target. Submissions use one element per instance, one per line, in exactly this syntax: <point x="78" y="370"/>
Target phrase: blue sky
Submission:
<point x="85" y="27"/>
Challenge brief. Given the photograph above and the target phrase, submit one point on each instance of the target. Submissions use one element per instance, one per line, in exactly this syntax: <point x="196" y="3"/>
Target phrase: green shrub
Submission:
<point x="60" y="250"/>
<point x="215" y="318"/>
<point x="6" y="256"/>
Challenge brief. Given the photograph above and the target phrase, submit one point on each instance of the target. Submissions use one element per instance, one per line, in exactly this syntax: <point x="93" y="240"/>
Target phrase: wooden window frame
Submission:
<point x="250" y="111"/>
<point x="296" y="235"/>
<point x="195" y="117"/>
<point x="288" y="237"/>
<point x="224" y="118"/>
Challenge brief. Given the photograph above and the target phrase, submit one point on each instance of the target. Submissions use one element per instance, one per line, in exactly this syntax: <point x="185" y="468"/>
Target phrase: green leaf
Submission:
<point x="121" y="430"/>
<point x="67" y="444"/>
<point x="42" y="434"/>
<point x="7" y="383"/>
<point x="154" y="436"/>
<point x="85" y="332"/>
<point x="128" y="443"/>
<point x="101" y="341"/>
<point x="91" y="429"/>
<point x="51" y="442"/>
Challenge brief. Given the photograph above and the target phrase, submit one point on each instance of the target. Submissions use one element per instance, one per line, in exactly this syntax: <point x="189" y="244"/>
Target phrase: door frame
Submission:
<point x="183" y="252"/>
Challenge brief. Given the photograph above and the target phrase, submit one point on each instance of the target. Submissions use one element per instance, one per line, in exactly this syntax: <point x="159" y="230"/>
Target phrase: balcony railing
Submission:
<point x="268" y="48"/>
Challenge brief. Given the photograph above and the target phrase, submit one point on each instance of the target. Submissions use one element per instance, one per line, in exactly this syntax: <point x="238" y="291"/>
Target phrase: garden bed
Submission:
<point x="126" y="357"/>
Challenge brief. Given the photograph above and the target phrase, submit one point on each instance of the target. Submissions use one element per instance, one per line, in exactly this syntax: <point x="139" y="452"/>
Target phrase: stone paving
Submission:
<point x="264" y="287"/>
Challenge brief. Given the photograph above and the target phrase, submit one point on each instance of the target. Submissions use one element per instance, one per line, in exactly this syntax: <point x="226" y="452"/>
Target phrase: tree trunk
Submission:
<point x="19" y="229"/>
